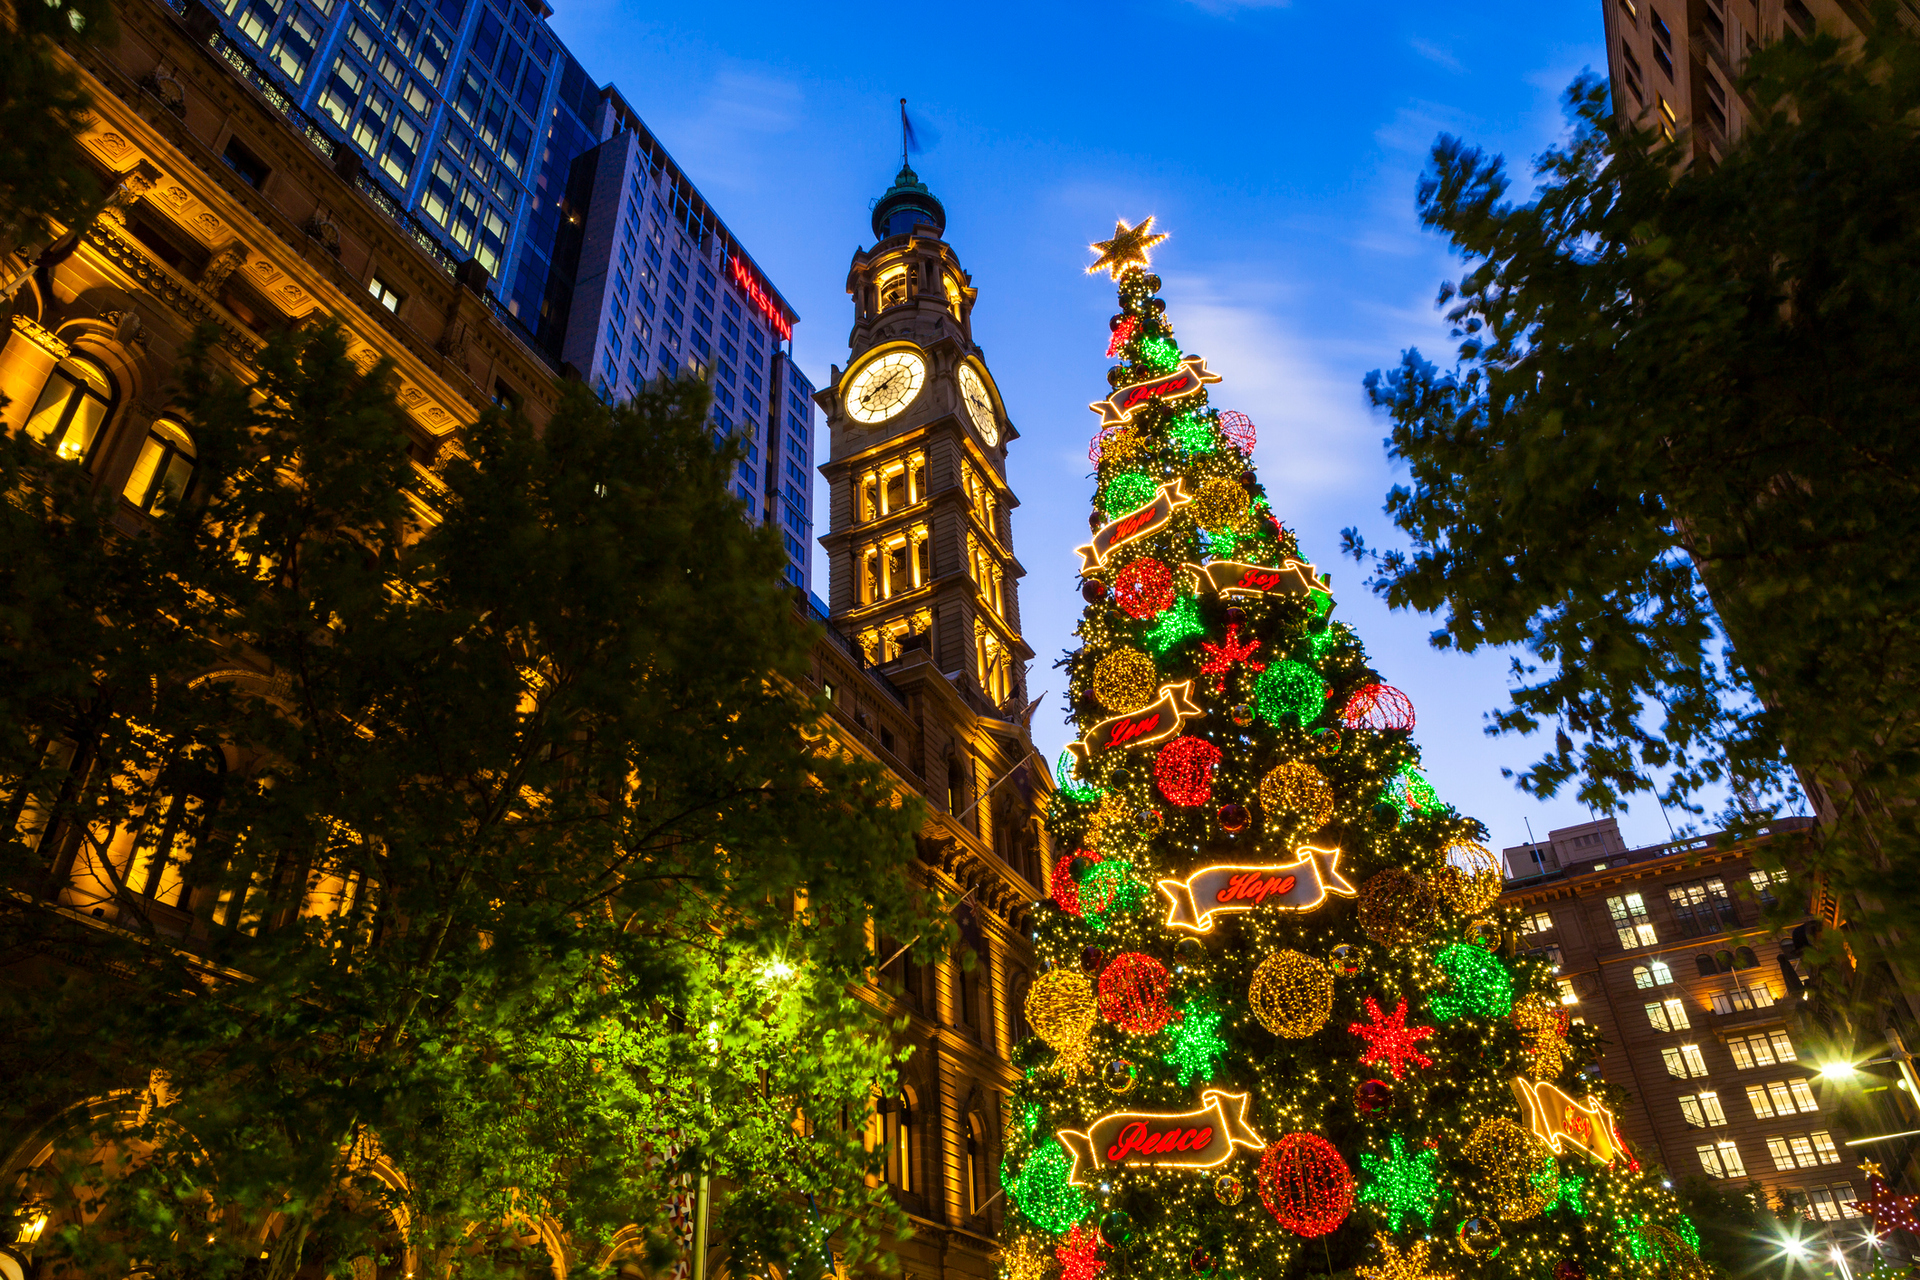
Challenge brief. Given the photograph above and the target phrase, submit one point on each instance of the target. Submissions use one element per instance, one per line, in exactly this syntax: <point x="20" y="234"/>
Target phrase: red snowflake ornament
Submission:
<point x="1390" y="1040"/>
<point x="1229" y="653"/>
<point x="1080" y="1255"/>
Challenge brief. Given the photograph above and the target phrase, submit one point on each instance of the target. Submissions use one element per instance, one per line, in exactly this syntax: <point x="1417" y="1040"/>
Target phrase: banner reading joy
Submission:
<point x="1137" y="523"/>
<point x="1558" y="1119"/>
<point x="1229" y="578"/>
<point x="1202" y="1139"/>
<point x="1117" y="409"/>
<point x="1155" y="722"/>
<point x="1226" y="888"/>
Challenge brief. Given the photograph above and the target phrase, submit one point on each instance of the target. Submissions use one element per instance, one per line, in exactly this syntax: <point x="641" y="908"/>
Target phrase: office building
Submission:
<point x="471" y="125"/>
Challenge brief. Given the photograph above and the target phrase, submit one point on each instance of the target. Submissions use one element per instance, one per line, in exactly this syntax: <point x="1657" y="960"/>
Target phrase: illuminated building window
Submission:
<point x="72" y="407"/>
<point x="1702" y="1110"/>
<point x="1782" y="1098"/>
<point x="191" y="785"/>
<point x="1831" y="1203"/>
<point x="163" y="474"/>
<point x="1744" y="999"/>
<point x="892" y="287"/>
<point x="1537" y="923"/>
<point x="385" y="294"/>
<point x="1631" y="923"/>
<point x="1567" y="994"/>
<point x="1684" y="1061"/>
<point x="955" y="301"/>
<point x="1668" y="1015"/>
<point x="1701" y="906"/>
<point x="1721" y="1160"/>
<point x="1656" y="974"/>
<point x="1797" y="1151"/>
<point x="1762" y="1049"/>
<point x="1666" y="120"/>
<point x="1764" y="883"/>
<point x="1662" y="42"/>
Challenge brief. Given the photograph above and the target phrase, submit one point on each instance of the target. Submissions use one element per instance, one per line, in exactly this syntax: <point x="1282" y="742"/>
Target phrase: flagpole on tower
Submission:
<point x="903" y="133"/>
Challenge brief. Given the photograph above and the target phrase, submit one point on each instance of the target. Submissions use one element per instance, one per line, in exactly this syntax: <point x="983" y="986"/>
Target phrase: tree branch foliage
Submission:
<point x="1676" y="461"/>
<point x="476" y="826"/>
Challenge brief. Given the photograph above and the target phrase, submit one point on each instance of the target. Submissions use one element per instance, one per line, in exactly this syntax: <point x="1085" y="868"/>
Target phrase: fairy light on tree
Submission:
<point x="1242" y="765"/>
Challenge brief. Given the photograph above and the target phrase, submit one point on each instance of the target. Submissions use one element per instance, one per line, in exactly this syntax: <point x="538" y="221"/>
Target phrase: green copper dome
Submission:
<point x="906" y="204"/>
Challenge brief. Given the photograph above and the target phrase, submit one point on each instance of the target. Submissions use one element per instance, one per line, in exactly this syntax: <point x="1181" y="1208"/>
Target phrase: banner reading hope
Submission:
<point x="1226" y="888"/>
<point x="1137" y="523"/>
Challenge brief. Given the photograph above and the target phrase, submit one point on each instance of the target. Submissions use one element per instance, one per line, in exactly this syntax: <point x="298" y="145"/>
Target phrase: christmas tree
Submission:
<point x="1282" y="1030"/>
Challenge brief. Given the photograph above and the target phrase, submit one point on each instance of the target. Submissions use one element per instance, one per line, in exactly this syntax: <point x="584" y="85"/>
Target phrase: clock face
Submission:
<point x="979" y="405"/>
<point x="886" y="385"/>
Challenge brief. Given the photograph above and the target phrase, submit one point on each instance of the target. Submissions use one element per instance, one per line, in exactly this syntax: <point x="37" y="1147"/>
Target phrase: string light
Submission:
<point x="1061" y="886"/>
<point x="1297" y="787"/>
<point x="1191" y="432"/>
<point x="1290" y="689"/>
<point x="1397" y="907"/>
<point x="1143" y="588"/>
<point x="1390" y="1040"/>
<point x="1123" y="333"/>
<point x="1184" y="771"/>
<point x="1378" y="706"/>
<point x="1394" y="1265"/>
<point x="1305" y="1184"/>
<point x="1133" y="993"/>
<point x="1291" y="994"/>
<point x="1543" y="1024"/>
<point x="1513" y="1160"/>
<point x="1125" y="680"/>
<point x="1080" y="1256"/>
<point x="1060" y="1008"/>
<point x="1405" y="1184"/>
<point x="1221" y="504"/>
<point x="1109" y="889"/>
<point x="1228" y="654"/>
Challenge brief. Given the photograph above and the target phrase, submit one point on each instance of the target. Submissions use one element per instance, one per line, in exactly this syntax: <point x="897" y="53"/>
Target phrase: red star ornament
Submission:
<point x="1230" y="652"/>
<point x="1080" y="1255"/>
<point x="1390" y="1040"/>
<point x="1889" y="1210"/>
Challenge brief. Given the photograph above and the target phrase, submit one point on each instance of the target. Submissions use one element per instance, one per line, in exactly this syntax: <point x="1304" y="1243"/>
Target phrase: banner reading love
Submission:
<point x="1117" y="409"/>
<point x="1202" y="1139"/>
<point x="1137" y="523"/>
<point x="1227" y="888"/>
<point x="1155" y="722"/>
<point x="1229" y="578"/>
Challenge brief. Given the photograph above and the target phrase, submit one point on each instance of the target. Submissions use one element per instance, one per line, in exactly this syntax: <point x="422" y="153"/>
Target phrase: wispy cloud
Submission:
<point x="728" y="128"/>
<point x="1231" y="6"/>
<point x="1434" y="53"/>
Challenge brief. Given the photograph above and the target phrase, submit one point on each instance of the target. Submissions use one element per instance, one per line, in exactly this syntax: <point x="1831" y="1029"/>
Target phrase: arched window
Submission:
<point x="893" y="287"/>
<point x="976" y="1163"/>
<point x="967" y="990"/>
<point x="72" y="408"/>
<point x="190" y="788"/>
<point x="1743" y="958"/>
<point x="900" y="1141"/>
<point x="953" y="296"/>
<point x="163" y="475"/>
<point x="1662" y="975"/>
<point x="1641" y="978"/>
<point x="1017" y="990"/>
<point x="1705" y="964"/>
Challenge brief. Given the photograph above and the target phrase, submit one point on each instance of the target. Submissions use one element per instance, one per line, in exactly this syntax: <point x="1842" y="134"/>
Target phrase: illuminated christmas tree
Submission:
<point x="1282" y="1030"/>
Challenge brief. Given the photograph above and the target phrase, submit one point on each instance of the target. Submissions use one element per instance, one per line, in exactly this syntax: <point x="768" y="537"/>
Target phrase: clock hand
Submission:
<point x="885" y="384"/>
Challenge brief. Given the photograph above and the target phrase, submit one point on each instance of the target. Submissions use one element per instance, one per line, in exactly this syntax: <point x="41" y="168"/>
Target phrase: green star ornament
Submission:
<point x="1568" y="1193"/>
<point x="1179" y="622"/>
<point x="1196" y="1043"/>
<point x="1405" y="1185"/>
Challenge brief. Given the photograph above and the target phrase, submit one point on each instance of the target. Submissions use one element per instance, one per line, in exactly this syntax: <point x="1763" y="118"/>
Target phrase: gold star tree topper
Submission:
<point x="1127" y="251"/>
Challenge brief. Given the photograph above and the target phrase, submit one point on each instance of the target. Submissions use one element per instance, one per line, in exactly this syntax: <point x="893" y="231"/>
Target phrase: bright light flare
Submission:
<point x="1841" y="1070"/>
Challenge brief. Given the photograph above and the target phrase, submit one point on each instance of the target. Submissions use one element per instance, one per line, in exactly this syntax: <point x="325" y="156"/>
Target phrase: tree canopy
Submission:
<point x="432" y="847"/>
<point x="1675" y="462"/>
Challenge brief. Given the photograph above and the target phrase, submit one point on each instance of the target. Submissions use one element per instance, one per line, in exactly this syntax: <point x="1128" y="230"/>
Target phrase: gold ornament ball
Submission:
<point x="1028" y="1259"/>
<point x="1396" y="907"/>
<point x="1470" y="882"/>
<point x="1291" y="994"/>
<point x="1479" y="1236"/>
<point x="1297" y="787"/>
<point x="1513" y="1159"/>
<point x="1061" y="1008"/>
<point x="1221" y="504"/>
<point x="1228" y="1189"/>
<point x="1109" y="822"/>
<point x="1125" y="680"/>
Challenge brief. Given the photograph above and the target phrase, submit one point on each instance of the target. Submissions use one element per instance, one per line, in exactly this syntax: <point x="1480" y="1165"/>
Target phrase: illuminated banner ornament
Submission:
<point x="1155" y="722"/>
<point x="1202" y="1139"/>
<point x="1300" y="885"/>
<point x="1135" y="524"/>
<point x="1117" y="409"/>
<point x="1557" y="1119"/>
<point x="1227" y="578"/>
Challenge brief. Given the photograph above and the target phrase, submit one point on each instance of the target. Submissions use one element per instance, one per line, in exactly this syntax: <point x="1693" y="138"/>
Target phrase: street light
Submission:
<point x="1839" y="1070"/>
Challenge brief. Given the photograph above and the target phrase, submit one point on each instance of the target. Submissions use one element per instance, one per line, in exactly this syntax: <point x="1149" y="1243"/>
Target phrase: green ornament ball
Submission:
<point x="1043" y="1194"/>
<point x="1288" y="688"/>
<point x="1116" y="1228"/>
<point x="1126" y="491"/>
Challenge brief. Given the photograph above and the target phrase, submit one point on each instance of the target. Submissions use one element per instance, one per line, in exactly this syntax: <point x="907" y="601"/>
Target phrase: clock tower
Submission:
<point x="920" y="547"/>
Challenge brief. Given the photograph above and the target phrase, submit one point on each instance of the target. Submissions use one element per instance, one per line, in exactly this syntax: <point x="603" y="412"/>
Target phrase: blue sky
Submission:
<point x="1278" y="144"/>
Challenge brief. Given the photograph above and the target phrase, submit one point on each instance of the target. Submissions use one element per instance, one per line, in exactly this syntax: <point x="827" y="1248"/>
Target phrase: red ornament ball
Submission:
<point x="1184" y="770"/>
<point x="1061" y="885"/>
<point x="1372" y="1095"/>
<point x="1232" y="816"/>
<point x="1568" y="1269"/>
<point x="1237" y="428"/>
<point x="1093" y="591"/>
<point x="1143" y="588"/>
<point x="1305" y="1184"/>
<point x="1133" y="993"/>
<point x="1377" y="706"/>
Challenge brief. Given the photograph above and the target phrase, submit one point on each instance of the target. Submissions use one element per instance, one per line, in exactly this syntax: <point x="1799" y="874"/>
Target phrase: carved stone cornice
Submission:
<point x="41" y="336"/>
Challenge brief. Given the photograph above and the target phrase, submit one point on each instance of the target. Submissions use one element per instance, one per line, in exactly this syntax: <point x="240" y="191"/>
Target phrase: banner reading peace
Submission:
<point x="1228" y="578"/>
<point x="1155" y="722"/>
<point x="1117" y="409"/>
<point x="1226" y="888"/>
<point x="1137" y="523"/>
<point x="1202" y="1139"/>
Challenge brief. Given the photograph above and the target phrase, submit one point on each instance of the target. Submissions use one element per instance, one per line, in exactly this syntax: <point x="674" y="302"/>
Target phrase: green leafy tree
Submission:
<point x="1676" y="461"/>
<point x="419" y="850"/>
<point x="1283" y="1030"/>
<point x="44" y="174"/>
